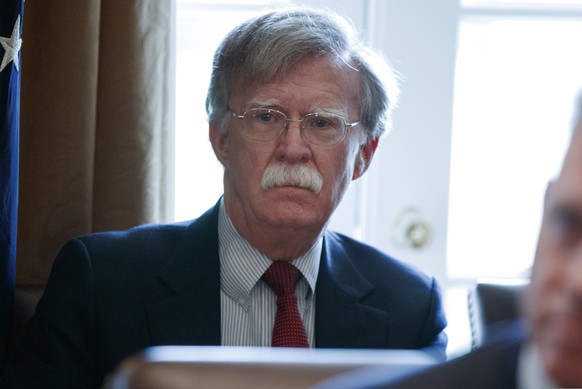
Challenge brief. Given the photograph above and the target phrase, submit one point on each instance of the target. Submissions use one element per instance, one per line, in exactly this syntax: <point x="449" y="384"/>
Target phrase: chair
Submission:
<point x="25" y="300"/>
<point x="490" y="304"/>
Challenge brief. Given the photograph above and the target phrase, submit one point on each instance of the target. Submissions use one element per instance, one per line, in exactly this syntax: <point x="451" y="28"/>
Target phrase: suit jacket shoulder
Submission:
<point x="112" y="294"/>
<point x="375" y="301"/>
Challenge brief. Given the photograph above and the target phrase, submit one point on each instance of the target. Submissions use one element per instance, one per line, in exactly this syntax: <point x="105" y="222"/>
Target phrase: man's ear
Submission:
<point x="364" y="157"/>
<point x="219" y="141"/>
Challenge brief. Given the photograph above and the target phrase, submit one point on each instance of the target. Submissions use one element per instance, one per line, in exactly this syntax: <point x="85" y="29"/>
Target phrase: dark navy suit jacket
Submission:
<point x="115" y="293"/>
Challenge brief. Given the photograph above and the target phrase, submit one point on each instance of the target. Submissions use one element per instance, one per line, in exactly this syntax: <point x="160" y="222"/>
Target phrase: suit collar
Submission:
<point x="195" y="256"/>
<point x="343" y="319"/>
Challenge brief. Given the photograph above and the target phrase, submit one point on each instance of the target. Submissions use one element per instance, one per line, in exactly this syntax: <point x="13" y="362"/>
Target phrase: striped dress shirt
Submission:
<point x="248" y="305"/>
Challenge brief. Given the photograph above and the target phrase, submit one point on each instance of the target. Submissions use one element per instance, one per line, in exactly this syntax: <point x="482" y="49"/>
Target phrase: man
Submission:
<point x="296" y="107"/>
<point x="545" y="350"/>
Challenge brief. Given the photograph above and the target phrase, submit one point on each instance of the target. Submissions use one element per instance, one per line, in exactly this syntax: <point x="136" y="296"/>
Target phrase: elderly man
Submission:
<point x="545" y="350"/>
<point x="296" y="108"/>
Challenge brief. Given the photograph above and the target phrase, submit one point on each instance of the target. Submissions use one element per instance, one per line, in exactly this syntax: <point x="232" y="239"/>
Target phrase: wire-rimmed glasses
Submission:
<point x="319" y="128"/>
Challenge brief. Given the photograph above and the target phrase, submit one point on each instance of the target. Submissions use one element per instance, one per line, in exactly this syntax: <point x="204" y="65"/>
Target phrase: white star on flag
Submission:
<point x="11" y="46"/>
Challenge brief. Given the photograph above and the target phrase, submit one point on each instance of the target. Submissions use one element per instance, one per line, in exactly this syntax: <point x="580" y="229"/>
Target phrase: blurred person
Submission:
<point x="544" y="348"/>
<point x="296" y="107"/>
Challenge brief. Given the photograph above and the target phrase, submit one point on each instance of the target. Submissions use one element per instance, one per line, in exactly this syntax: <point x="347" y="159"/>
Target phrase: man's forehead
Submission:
<point x="279" y="92"/>
<point x="573" y="159"/>
<point x="570" y="179"/>
<point x="310" y="66"/>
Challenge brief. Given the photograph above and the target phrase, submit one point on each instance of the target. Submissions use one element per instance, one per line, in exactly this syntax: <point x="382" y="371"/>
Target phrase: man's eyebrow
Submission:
<point x="258" y="103"/>
<point x="336" y="111"/>
<point x="276" y="104"/>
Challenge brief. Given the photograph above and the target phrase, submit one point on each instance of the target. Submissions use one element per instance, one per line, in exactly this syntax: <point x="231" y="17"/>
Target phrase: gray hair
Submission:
<point x="273" y="43"/>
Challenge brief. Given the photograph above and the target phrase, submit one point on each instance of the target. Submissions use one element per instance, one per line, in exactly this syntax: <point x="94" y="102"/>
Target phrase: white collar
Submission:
<point x="531" y="372"/>
<point x="238" y="278"/>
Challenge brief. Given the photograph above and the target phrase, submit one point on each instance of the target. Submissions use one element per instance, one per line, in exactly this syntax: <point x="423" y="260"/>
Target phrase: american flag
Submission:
<point x="10" y="42"/>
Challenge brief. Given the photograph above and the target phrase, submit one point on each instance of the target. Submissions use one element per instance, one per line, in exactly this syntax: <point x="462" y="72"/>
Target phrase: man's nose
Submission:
<point x="292" y="146"/>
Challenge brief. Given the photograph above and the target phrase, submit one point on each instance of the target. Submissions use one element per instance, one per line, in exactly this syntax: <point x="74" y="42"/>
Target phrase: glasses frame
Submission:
<point x="285" y="127"/>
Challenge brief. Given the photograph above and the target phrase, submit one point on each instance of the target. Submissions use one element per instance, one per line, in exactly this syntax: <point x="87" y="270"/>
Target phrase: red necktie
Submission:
<point x="288" y="330"/>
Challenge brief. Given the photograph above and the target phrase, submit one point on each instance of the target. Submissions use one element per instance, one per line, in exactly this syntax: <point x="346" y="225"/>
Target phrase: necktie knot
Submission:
<point x="282" y="277"/>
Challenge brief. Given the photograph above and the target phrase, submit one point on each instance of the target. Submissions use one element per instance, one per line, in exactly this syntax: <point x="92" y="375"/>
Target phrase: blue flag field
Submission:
<point x="10" y="43"/>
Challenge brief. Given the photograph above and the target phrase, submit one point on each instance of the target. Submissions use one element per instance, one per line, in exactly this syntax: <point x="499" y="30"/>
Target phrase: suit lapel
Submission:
<point x="342" y="318"/>
<point x="191" y="314"/>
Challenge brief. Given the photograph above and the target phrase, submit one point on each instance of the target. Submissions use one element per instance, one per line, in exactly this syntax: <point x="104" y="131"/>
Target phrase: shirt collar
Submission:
<point x="531" y="372"/>
<point x="242" y="265"/>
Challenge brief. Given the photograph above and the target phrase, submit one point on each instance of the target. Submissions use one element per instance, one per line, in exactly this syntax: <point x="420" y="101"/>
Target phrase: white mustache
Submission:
<point x="284" y="174"/>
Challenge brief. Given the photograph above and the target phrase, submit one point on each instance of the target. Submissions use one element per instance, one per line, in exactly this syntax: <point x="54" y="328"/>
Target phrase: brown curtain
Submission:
<point x="96" y="122"/>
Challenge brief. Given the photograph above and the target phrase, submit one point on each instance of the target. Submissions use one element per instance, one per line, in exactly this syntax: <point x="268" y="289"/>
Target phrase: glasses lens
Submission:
<point x="323" y="128"/>
<point x="263" y="124"/>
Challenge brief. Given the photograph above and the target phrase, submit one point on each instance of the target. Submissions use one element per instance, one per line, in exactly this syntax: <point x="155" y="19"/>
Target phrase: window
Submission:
<point x="516" y="81"/>
<point x="517" y="75"/>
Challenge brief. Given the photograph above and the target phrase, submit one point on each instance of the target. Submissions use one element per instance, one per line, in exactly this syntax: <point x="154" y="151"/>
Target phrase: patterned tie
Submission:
<point x="288" y="330"/>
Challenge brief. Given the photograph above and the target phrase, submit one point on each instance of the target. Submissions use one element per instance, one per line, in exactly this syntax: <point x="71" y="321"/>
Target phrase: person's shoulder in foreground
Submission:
<point x="489" y="367"/>
<point x="547" y="351"/>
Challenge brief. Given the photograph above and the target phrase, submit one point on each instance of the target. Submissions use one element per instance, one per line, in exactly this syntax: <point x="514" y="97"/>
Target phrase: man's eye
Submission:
<point x="566" y="219"/>
<point x="321" y="123"/>
<point x="568" y="225"/>
<point x="324" y="123"/>
<point x="265" y="117"/>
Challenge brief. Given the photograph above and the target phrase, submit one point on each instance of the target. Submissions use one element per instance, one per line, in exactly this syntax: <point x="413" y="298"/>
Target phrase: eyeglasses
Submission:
<point x="319" y="128"/>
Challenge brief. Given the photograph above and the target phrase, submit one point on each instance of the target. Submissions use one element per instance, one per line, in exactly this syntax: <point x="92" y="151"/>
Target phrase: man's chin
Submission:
<point x="566" y="372"/>
<point x="563" y="361"/>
